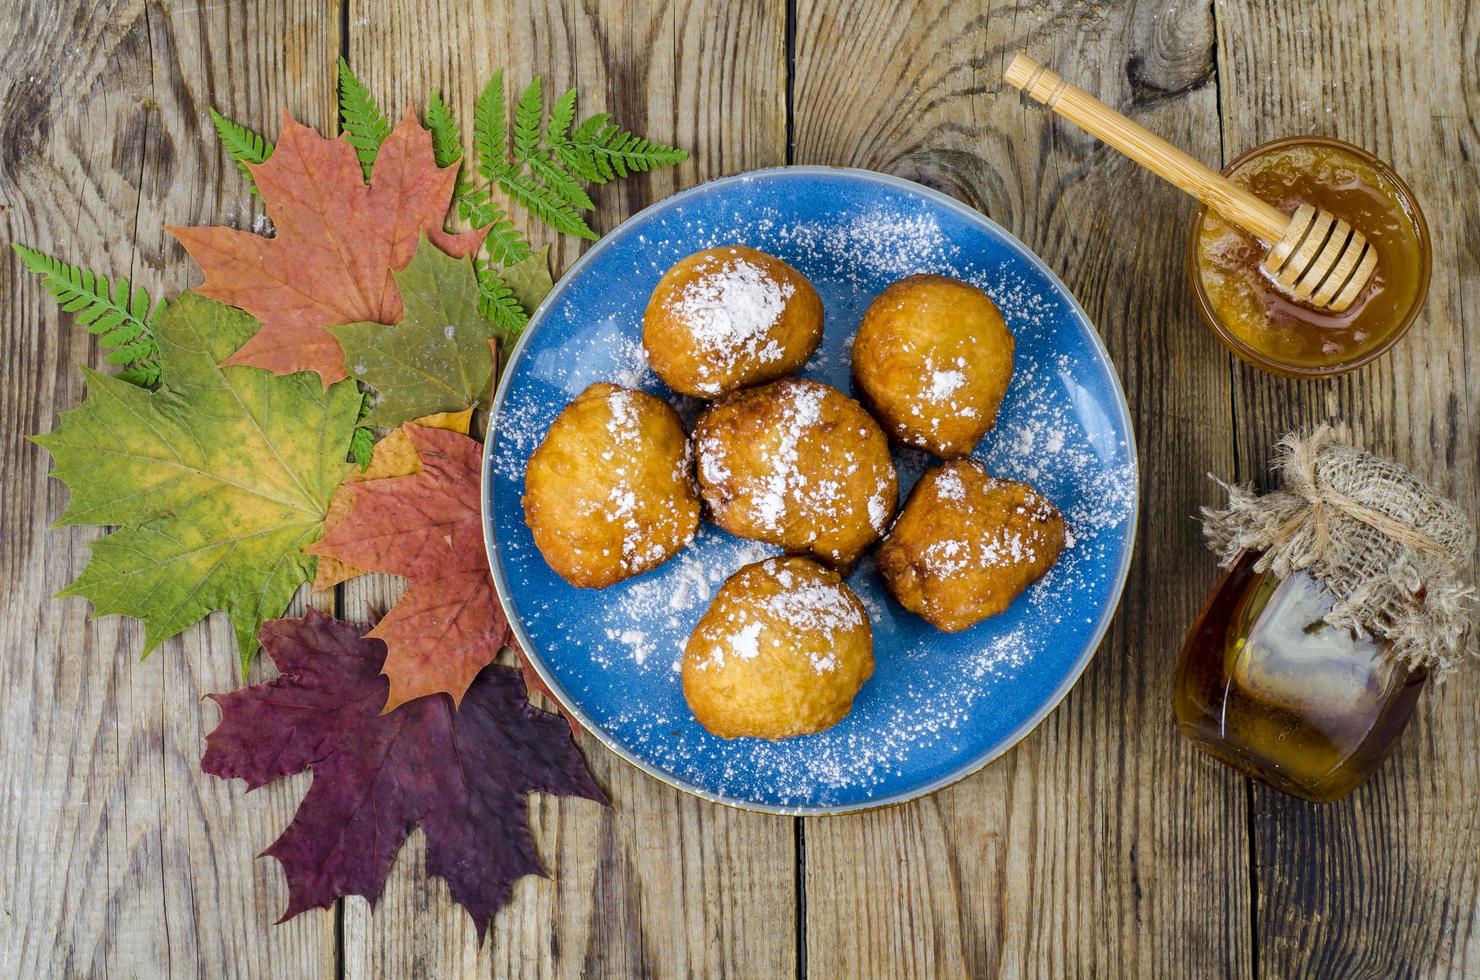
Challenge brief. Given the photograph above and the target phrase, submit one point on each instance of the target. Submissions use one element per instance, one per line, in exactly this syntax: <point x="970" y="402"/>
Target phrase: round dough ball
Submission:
<point x="781" y="651"/>
<point x="730" y="317"/>
<point x="967" y="544"/>
<point x="798" y="464"/>
<point x="609" y="492"/>
<point x="933" y="360"/>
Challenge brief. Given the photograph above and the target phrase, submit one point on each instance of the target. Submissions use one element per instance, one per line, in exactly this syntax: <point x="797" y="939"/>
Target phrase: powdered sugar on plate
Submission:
<point x="937" y="703"/>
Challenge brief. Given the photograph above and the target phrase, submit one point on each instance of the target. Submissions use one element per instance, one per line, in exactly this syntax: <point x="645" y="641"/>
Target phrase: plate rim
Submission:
<point x="972" y="766"/>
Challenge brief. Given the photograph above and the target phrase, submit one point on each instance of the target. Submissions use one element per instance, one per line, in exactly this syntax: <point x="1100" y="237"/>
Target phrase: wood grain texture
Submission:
<point x="1101" y="845"/>
<point x="1387" y="882"/>
<point x="119" y="857"/>
<point x="661" y="884"/>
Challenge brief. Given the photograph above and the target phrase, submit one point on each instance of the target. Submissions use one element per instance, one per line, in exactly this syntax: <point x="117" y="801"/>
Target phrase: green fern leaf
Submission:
<point x="545" y="205"/>
<point x="497" y="302"/>
<point x="562" y="114"/>
<point x="562" y="183"/>
<point x="504" y="243"/>
<point x="447" y="146"/>
<point x="242" y="145"/>
<point x="362" y="439"/>
<point x="490" y="129"/>
<point x="121" y="318"/>
<point x="446" y="138"/>
<point x="600" y="151"/>
<point x="362" y="446"/>
<point x="364" y="123"/>
<point x="145" y="374"/>
<point x="527" y="113"/>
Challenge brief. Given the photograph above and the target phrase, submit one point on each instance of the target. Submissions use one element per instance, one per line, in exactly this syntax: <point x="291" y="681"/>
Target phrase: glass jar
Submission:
<point x="1260" y="323"/>
<point x="1267" y="686"/>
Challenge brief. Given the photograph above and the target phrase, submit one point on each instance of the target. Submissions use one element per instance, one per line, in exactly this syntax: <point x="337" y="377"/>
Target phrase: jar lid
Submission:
<point x="1390" y="548"/>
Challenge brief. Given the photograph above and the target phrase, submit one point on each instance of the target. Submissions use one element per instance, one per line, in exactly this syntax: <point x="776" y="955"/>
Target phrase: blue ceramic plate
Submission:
<point x="939" y="706"/>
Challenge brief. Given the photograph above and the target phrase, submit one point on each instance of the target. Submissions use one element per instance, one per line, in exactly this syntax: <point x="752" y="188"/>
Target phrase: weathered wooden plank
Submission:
<point x="661" y="884"/>
<point x="120" y="858"/>
<point x="1100" y="846"/>
<point x="1387" y="882"/>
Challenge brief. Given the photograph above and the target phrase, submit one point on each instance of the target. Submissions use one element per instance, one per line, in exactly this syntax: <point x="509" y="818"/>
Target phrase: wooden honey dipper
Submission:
<point x="1313" y="255"/>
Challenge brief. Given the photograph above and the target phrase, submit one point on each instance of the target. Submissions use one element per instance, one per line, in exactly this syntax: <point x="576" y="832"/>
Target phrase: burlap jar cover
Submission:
<point x="1389" y="548"/>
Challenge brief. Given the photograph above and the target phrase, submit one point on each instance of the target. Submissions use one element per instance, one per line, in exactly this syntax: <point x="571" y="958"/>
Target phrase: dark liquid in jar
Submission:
<point x="1267" y="686"/>
<point x="1265" y="319"/>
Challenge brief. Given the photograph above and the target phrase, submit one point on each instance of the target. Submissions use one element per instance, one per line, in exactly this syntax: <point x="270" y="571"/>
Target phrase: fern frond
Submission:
<point x="362" y="446"/>
<point x="497" y="302"/>
<point x="562" y="114"/>
<point x="505" y="244"/>
<point x="362" y="439"/>
<point x="364" y="123"/>
<point x="545" y="205"/>
<point x="121" y="318"/>
<point x="527" y="113"/>
<point x="145" y="374"/>
<point x="614" y="150"/>
<point x="242" y="145"/>
<point x="543" y="164"/>
<point x="553" y="176"/>
<point x="490" y="129"/>
<point x="447" y="146"/>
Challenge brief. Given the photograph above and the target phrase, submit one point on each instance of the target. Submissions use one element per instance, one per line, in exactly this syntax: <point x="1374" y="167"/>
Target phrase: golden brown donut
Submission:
<point x="933" y="359"/>
<point x="781" y="651"/>
<point x="609" y="492"/>
<point x="966" y="545"/>
<point x="798" y="464"/>
<point x="727" y="318"/>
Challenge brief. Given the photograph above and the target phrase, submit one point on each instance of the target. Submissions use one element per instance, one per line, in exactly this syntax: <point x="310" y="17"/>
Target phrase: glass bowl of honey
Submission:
<point x="1276" y="332"/>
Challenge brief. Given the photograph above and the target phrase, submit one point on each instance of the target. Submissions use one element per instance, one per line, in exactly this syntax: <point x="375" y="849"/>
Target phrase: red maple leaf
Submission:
<point x="338" y="240"/>
<point x="429" y="528"/>
<point x="462" y="774"/>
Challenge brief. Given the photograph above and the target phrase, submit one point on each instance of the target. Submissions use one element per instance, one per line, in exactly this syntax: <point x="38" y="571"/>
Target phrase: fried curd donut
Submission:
<point x="782" y="651"/>
<point x="727" y="318"/>
<point x="609" y="492"/>
<point x="966" y="545"/>
<point x="932" y="359"/>
<point x="798" y="464"/>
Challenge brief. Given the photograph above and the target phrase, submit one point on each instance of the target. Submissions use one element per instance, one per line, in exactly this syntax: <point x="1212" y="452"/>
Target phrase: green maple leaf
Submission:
<point x="530" y="279"/>
<point x="437" y="358"/>
<point x="217" y="480"/>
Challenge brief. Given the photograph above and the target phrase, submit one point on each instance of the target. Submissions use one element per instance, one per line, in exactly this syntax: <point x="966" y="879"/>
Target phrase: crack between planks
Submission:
<point x="799" y="824"/>
<point x="1251" y="838"/>
<point x="340" y="965"/>
<point x="791" y="77"/>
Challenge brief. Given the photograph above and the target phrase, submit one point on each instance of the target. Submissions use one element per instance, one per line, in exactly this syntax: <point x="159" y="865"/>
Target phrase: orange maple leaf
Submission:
<point x="428" y="527"/>
<point x="338" y="241"/>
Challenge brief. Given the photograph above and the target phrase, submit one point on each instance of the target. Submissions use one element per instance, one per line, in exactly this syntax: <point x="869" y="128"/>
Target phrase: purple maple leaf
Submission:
<point x="463" y="774"/>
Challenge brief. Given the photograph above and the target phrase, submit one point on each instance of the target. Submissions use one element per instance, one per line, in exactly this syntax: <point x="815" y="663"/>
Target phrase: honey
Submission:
<point x="1267" y="686"/>
<point x="1263" y="324"/>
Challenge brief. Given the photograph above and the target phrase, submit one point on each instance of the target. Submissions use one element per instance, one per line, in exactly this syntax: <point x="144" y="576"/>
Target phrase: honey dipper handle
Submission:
<point x="1149" y="150"/>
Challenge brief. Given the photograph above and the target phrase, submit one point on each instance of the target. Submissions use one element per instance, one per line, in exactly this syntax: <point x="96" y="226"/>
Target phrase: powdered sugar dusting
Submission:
<point x="730" y="309"/>
<point x="800" y="605"/>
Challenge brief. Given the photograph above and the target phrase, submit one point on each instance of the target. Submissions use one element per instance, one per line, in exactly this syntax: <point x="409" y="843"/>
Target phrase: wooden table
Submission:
<point x="1103" y="845"/>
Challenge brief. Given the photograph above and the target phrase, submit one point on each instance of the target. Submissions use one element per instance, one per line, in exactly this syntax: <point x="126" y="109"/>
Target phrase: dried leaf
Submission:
<point x="463" y="775"/>
<point x="428" y="527"/>
<point x="395" y="455"/>
<point x="437" y="358"/>
<point x="338" y="241"/>
<point x="218" y="480"/>
<point x="530" y="279"/>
